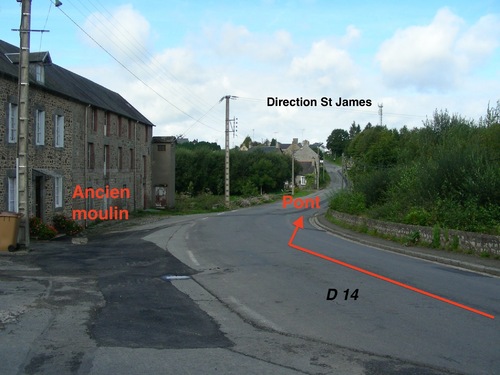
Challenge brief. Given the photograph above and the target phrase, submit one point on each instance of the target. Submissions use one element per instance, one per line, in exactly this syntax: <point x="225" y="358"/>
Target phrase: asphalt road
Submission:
<point x="285" y="290"/>
<point x="241" y="301"/>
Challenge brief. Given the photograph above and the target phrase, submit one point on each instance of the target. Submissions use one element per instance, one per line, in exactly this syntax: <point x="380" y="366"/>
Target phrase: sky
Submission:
<point x="175" y="60"/>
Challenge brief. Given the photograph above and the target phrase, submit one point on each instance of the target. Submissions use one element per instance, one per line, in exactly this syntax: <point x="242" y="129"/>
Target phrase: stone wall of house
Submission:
<point x="129" y="155"/>
<point x="8" y="92"/>
<point x="129" y="165"/>
<point x="41" y="157"/>
<point x="476" y="242"/>
<point x="163" y="171"/>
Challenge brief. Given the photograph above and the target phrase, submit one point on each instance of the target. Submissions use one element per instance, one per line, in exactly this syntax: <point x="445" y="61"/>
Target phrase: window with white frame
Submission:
<point x="12" y="194"/>
<point x="12" y="125"/>
<point x="59" y="131"/>
<point x="58" y="192"/>
<point x="39" y="73"/>
<point x="39" y="127"/>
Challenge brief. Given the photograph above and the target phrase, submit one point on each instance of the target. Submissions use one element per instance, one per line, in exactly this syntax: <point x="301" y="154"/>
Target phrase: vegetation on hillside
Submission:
<point x="446" y="173"/>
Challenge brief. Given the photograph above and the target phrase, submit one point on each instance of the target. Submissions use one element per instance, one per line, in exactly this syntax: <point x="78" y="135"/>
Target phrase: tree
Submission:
<point x="354" y="130"/>
<point x="337" y="141"/>
<point x="247" y="142"/>
<point x="374" y="147"/>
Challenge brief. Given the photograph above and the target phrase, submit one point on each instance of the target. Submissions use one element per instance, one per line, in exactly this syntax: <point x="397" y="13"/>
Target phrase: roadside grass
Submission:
<point x="209" y="203"/>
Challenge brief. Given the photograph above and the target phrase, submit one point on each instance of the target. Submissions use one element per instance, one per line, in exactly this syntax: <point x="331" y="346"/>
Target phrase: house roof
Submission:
<point x="35" y="57"/>
<point x="63" y="82"/>
<point x="264" y="149"/>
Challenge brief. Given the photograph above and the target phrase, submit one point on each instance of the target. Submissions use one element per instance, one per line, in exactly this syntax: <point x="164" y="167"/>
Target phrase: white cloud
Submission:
<point x="438" y="55"/>
<point x="235" y="42"/>
<point x="352" y="35"/>
<point x="480" y="40"/>
<point x="232" y="59"/>
<point x="124" y="33"/>
<point x="327" y="67"/>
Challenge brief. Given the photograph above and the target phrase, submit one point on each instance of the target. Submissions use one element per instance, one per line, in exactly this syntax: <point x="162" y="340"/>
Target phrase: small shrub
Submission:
<point x="66" y="225"/>
<point x="418" y="216"/>
<point x="40" y="230"/>
<point x="436" y="237"/>
<point x="349" y="202"/>
<point x="249" y="189"/>
<point x="413" y="238"/>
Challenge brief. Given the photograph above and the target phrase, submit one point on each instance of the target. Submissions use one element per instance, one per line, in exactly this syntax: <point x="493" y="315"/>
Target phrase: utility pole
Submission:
<point x="293" y="173"/>
<point x="318" y="168"/>
<point x="22" y="140"/>
<point x="380" y="113"/>
<point x="226" y="174"/>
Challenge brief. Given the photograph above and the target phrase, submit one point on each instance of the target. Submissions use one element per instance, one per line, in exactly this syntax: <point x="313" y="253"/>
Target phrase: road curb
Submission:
<point x="315" y="220"/>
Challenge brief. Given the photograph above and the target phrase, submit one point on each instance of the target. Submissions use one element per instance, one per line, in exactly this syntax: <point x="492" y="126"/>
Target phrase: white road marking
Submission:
<point x="254" y="315"/>
<point x="193" y="258"/>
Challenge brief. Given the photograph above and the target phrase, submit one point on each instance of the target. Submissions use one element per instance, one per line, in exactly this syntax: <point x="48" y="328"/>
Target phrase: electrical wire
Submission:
<point x="44" y="26"/>
<point x="137" y="76"/>
<point x="134" y="48"/>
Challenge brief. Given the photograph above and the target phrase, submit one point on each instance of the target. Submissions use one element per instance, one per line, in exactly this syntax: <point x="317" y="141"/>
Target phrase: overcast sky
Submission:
<point x="174" y="60"/>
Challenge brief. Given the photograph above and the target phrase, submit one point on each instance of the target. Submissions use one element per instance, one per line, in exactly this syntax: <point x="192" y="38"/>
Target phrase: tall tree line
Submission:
<point x="201" y="170"/>
<point x="445" y="173"/>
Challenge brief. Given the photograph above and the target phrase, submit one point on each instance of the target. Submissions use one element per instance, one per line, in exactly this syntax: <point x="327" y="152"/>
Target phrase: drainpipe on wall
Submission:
<point x="85" y="154"/>
<point x="135" y="165"/>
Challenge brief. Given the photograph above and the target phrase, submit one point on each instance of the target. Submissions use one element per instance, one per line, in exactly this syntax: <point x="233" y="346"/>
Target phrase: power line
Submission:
<point x="44" y="26"/>
<point x="124" y="30"/>
<point x="136" y="75"/>
<point x="131" y="50"/>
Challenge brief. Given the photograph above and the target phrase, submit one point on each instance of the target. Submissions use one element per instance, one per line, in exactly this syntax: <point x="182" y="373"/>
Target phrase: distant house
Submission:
<point x="265" y="149"/>
<point x="305" y="156"/>
<point x="81" y="134"/>
<point x="289" y="148"/>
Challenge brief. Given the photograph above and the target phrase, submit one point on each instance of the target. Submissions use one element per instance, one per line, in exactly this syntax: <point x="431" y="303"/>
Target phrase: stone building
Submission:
<point x="305" y="156"/>
<point x="163" y="171"/>
<point x="81" y="135"/>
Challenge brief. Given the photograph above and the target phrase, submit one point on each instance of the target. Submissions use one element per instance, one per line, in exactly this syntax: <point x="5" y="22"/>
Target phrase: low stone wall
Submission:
<point x="471" y="241"/>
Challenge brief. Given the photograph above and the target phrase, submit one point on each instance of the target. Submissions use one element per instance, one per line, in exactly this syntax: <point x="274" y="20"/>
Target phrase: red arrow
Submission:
<point x="299" y="223"/>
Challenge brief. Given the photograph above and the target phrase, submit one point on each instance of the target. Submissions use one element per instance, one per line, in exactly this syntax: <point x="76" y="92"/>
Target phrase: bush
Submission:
<point x="418" y="216"/>
<point x="436" y="237"/>
<point x="66" y="225"/>
<point x="40" y="230"/>
<point x="349" y="202"/>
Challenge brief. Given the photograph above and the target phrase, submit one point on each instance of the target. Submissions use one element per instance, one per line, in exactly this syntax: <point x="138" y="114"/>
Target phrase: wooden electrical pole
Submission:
<point x="22" y="140"/>
<point x="226" y="167"/>
<point x="226" y="184"/>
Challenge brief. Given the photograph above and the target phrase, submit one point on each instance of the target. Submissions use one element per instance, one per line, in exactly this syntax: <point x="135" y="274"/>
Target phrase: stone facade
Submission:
<point x="305" y="155"/>
<point x="99" y="147"/>
<point x="163" y="172"/>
